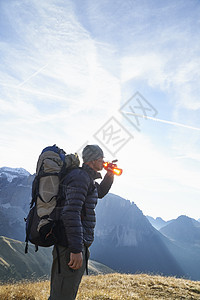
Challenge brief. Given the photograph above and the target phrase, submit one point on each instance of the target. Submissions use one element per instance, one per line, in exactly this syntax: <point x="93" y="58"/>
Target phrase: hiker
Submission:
<point x="78" y="216"/>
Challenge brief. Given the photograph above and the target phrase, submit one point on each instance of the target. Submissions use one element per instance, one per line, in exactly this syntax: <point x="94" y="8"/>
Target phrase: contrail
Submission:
<point x="36" y="92"/>
<point x="162" y="121"/>
<point x="33" y="75"/>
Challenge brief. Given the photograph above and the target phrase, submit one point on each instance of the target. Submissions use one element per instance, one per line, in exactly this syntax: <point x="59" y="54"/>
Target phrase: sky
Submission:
<point x="71" y="71"/>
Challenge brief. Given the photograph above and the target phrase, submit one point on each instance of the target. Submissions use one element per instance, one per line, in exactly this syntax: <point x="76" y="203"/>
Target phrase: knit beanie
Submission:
<point x="92" y="152"/>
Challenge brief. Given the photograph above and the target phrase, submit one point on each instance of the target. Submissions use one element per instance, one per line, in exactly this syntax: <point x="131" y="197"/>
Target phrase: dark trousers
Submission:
<point x="64" y="285"/>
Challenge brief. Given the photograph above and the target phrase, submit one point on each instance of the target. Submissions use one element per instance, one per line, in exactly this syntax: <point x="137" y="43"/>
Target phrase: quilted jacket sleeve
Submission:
<point x="105" y="185"/>
<point x="75" y="191"/>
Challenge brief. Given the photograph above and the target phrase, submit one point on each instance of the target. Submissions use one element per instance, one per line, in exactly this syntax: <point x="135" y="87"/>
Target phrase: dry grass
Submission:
<point x="120" y="286"/>
<point x="111" y="286"/>
<point x="25" y="290"/>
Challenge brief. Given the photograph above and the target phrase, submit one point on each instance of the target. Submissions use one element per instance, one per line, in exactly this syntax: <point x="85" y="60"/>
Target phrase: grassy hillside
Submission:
<point x="96" y="268"/>
<point x="111" y="286"/>
<point x="15" y="265"/>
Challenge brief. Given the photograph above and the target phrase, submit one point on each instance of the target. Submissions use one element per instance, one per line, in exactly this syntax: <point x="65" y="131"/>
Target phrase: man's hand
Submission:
<point x="76" y="261"/>
<point x="110" y="173"/>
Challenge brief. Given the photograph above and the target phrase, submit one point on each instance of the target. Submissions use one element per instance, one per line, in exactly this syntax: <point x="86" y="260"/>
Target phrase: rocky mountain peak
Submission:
<point x="183" y="229"/>
<point x="10" y="173"/>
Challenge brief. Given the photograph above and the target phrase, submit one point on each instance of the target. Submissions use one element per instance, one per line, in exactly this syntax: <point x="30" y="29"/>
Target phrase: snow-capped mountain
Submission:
<point x="10" y="173"/>
<point x="15" y="196"/>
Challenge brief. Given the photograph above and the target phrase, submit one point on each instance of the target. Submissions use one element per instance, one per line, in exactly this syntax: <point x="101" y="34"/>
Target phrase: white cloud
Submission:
<point x="149" y="66"/>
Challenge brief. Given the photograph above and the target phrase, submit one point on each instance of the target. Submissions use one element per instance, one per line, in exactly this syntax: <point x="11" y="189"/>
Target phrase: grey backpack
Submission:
<point x="43" y="222"/>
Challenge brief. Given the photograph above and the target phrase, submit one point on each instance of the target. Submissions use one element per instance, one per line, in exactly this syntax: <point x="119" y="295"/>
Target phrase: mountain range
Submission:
<point x="183" y="230"/>
<point x="125" y="239"/>
<point x="158" y="223"/>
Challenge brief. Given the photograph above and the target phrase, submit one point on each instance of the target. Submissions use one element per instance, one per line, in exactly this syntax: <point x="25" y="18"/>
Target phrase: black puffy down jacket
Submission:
<point x="81" y="193"/>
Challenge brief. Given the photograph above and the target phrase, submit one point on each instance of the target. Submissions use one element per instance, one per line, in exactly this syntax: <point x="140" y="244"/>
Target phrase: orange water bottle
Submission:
<point x="112" y="167"/>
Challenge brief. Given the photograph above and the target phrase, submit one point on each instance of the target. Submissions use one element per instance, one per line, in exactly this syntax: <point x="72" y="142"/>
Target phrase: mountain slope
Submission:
<point x="126" y="241"/>
<point x="16" y="265"/>
<point x="184" y="233"/>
